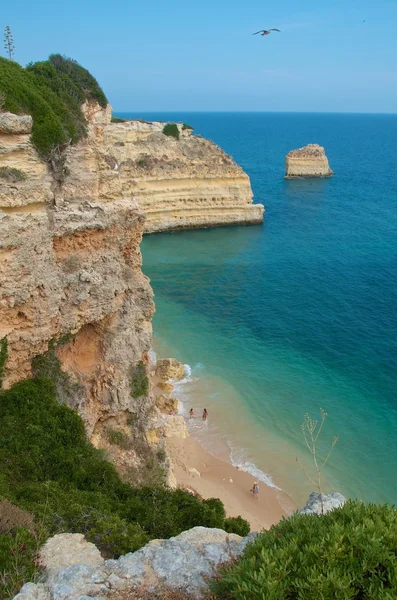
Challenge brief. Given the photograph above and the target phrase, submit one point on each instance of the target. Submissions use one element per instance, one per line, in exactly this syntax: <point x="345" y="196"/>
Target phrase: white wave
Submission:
<point x="252" y="469"/>
<point x="187" y="378"/>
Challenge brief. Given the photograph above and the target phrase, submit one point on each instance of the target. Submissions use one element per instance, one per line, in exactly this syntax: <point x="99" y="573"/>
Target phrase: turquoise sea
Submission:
<point x="279" y="320"/>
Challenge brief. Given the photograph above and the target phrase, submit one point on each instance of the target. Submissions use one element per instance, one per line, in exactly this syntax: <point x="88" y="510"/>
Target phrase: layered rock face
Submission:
<point x="309" y="161"/>
<point x="71" y="281"/>
<point x="70" y="263"/>
<point x="179" y="184"/>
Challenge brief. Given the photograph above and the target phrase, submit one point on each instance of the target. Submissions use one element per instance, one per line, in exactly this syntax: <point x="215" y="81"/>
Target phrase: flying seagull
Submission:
<point x="265" y="31"/>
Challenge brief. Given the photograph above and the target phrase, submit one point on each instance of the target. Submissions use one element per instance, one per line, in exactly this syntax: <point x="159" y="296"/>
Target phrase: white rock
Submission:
<point x="67" y="549"/>
<point x="330" y="501"/>
<point x="186" y="561"/>
<point x="194" y="473"/>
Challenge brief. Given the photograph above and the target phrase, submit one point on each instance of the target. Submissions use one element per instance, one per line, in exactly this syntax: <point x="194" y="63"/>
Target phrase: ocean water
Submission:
<point x="299" y="314"/>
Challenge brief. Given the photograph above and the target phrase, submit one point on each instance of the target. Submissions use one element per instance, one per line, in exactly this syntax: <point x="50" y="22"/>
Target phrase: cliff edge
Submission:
<point x="308" y="161"/>
<point x="74" y="303"/>
<point x="179" y="182"/>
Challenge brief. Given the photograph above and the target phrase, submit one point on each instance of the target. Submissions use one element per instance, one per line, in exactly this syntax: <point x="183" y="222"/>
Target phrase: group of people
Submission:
<point x="204" y="416"/>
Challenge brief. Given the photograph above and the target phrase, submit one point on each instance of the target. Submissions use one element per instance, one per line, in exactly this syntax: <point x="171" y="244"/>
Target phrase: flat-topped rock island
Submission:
<point x="308" y="161"/>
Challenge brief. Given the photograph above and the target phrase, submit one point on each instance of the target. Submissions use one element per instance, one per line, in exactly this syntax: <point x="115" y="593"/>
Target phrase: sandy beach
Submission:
<point x="212" y="477"/>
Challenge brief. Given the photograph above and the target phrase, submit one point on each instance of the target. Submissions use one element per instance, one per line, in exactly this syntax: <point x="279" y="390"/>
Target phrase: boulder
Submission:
<point x="67" y="549"/>
<point x="167" y="405"/>
<point x="175" y="426"/>
<point x="309" y="161"/>
<point x="10" y="123"/>
<point x="169" y="368"/>
<point x="185" y="562"/>
<point x="330" y="501"/>
<point x="166" y="387"/>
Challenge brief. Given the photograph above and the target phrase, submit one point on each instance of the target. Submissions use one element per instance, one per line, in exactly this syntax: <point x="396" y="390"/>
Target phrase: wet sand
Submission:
<point x="220" y="479"/>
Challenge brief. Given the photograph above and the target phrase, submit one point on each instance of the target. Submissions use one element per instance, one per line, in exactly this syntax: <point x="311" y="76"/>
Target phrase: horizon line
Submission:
<point x="294" y="112"/>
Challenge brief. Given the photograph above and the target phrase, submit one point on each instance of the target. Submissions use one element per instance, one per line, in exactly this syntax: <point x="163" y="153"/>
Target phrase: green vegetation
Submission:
<point x="49" y="468"/>
<point x="139" y="382"/>
<point x="48" y="365"/>
<point x="52" y="92"/>
<point x="3" y="358"/>
<point x="18" y="553"/>
<point x="237" y="525"/>
<point x="117" y="120"/>
<point x="119" y="438"/>
<point x="12" y="174"/>
<point x="348" y="553"/>
<point x="186" y="126"/>
<point x="171" y="129"/>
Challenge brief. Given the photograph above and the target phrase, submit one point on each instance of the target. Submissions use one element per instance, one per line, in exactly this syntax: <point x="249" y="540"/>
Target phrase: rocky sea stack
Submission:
<point x="309" y="161"/>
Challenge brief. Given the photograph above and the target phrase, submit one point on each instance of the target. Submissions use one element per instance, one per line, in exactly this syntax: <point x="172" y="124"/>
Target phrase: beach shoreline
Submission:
<point x="197" y="470"/>
<point x="212" y="475"/>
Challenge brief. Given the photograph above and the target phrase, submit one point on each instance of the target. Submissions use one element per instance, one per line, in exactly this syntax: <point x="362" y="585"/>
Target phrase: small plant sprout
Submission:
<point x="311" y="430"/>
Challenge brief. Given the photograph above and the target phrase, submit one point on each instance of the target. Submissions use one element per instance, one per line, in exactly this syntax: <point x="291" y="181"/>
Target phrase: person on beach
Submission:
<point x="255" y="490"/>
<point x="205" y="414"/>
<point x="191" y="413"/>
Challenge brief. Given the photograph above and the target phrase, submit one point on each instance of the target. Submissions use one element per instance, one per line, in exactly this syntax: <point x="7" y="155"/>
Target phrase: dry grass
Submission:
<point x="12" y="517"/>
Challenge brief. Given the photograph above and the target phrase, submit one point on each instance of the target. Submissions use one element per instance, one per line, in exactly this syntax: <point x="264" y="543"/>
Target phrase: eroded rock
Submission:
<point x="15" y="124"/>
<point x="329" y="502"/>
<point x="167" y="405"/>
<point x="185" y="561"/>
<point x="169" y="368"/>
<point x="175" y="426"/>
<point x="308" y="161"/>
<point x="67" y="549"/>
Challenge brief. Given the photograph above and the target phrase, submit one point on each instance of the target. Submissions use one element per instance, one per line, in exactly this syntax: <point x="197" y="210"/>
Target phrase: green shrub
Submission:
<point x="49" y="468"/>
<point x="139" y="383"/>
<point x="48" y="365"/>
<point x="3" y="358"/>
<point x="18" y="564"/>
<point x="161" y="455"/>
<point x="348" y="553"/>
<point x="186" y="126"/>
<point x="214" y="513"/>
<point x="171" y="129"/>
<point x="51" y="92"/>
<point x="237" y="525"/>
<point x="117" y="120"/>
<point x="114" y="535"/>
<point x="11" y="174"/>
<point x="119" y="438"/>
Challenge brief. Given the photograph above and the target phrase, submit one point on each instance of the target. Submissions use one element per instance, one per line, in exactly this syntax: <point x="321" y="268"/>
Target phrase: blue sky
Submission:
<point x="201" y="55"/>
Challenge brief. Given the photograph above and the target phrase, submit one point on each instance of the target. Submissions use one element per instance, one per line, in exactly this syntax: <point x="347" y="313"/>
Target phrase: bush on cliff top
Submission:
<point x="348" y="553"/>
<point x="171" y="129"/>
<point x="51" y="92"/>
<point x="49" y="468"/>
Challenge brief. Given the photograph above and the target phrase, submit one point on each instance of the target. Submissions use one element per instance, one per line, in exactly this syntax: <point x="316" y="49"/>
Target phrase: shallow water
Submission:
<point x="300" y="313"/>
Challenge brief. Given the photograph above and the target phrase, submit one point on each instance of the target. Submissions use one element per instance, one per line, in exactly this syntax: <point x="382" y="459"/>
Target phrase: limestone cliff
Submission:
<point x="309" y="161"/>
<point x="179" y="184"/>
<point x="74" y="302"/>
<point x="71" y="287"/>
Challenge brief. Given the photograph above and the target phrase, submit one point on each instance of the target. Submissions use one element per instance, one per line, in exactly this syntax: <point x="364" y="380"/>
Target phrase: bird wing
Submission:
<point x="256" y="33"/>
<point x="274" y="30"/>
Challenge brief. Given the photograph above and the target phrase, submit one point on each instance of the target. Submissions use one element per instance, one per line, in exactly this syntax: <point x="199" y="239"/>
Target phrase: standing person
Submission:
<point x="191" y="413"/>
<point x="205" y="414"/>
<point x="255" y="490"/>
